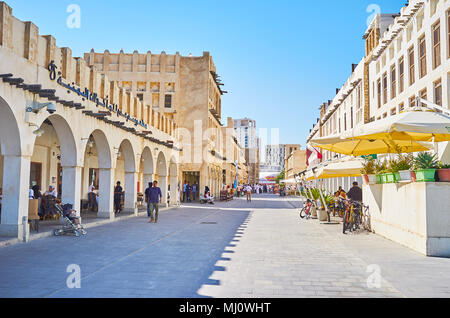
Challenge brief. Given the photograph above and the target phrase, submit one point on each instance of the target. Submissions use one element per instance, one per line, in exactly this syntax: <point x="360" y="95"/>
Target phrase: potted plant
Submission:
<point x="321" y="213"/>
<point x="425" y="167"/>
<point x="380" y="170"/>
<point x="391" y="171"/>
<point x="444" y="172"/>
<point x="369" y="171"/>
<point x="330" y="200"/>
<point x="401" y="168"/>
<point x="315" y="197"/>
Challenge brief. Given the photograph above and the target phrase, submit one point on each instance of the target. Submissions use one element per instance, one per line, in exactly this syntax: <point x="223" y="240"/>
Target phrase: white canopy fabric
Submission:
<point x="289" y="181"/>
<point x="415" y="125"/>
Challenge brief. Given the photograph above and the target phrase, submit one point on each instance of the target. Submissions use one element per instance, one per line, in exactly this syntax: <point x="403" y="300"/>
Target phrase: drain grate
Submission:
<point x="208" y="223"/>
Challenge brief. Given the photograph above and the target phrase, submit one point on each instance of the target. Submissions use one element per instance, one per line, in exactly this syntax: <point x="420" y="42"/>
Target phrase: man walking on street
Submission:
<point x="147" y="198"/>
<point x="155" y="196"/>
<point x="248" y="189"/>
<point x="118" y="192"/>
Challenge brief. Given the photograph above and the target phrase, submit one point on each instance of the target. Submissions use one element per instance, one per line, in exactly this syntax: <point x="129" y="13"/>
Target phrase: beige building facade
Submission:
<point x="295" y="163"/>
<point x="64" y="124"/>
<point x="187" y="90"/>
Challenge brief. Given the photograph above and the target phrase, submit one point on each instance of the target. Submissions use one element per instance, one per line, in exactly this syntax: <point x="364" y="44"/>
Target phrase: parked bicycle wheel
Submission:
<point x="348" y="221"/>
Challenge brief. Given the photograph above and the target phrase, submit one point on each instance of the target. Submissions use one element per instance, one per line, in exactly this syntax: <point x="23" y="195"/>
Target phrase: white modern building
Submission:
<point x="246" y="133"/>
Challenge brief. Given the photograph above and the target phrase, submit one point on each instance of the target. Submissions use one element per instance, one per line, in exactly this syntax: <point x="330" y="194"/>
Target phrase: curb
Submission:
<point x="38" y="236"/>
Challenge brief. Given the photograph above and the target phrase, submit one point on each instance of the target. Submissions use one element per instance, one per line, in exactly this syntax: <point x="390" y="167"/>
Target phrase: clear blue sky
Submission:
<point x="279" y="59"/>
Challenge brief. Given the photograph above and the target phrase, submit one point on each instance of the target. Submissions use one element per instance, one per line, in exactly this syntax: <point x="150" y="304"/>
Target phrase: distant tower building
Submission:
<point x="246" y="133"/>
<point x="247" y="137"/>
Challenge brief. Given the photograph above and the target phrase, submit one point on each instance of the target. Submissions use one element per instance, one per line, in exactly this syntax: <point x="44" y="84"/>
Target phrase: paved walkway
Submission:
<point x="233" y="249"/>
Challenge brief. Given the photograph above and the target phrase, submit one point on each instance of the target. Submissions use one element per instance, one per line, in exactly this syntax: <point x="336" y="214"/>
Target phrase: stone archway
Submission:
<point x="173" y="182"/>
<point x="98" y="170"/>
<point x="55" y="150"/>
<point x="126" y="174"/>
<point x="162" y="172"/>
<point x="147" y="168"/>
<point x="15" y="169"/>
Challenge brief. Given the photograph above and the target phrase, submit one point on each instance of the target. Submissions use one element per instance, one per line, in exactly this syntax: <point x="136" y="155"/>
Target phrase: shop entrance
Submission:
<point x="193" y="177"/>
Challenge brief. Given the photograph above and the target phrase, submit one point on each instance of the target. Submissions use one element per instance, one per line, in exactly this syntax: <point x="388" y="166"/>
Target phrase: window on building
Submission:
<point x="351" y="117"/>
<point x="422" y="57"/>
<point x="168" y="101"/>
<point x="423" y="94"/>
<point x="384" y="115"/>
<point x="379" y="92"/>
<point x="385" y="88"/>
<point x="412" y="101"/>
<point x="436" y="32"/>
<point x="412" y="69"/>
<point x="393" y="81"/>
<point x="448" y="34"/>
<point x="345" y="121"/>
<point x="438" y="92"/>
<point x="401" y="75"/>
<point x="393" y="111"/>
<point x="401" y="107"/>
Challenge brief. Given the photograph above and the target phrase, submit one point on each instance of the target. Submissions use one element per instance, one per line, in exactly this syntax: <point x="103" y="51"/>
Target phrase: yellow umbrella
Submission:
<point x="363" y="147"/>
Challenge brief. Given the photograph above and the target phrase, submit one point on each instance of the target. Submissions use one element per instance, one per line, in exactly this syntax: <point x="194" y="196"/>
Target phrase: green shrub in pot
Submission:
<point x="380" y="171"/>
<point x="425" y="166"/>
<point x="401" y="167"/>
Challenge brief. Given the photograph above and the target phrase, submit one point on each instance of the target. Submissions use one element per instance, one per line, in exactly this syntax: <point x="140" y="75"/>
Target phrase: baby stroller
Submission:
<point x="72" y="224"/>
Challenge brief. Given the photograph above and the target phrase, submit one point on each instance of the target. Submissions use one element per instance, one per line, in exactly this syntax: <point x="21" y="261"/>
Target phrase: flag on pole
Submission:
<point x="312" y="154"/>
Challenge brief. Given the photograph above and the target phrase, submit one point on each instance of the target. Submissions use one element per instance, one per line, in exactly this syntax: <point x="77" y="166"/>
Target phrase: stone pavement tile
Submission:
<point x="183" y="258"/>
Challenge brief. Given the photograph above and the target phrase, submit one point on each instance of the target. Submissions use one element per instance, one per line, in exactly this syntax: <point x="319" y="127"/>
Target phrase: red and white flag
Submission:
<point x="312" y="154"/>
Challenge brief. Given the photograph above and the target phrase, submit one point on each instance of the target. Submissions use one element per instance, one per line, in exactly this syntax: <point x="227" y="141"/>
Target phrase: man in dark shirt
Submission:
<point x="147" y="197"/>
<point x="355" y="193"/>
<point x="118" y="191"/>
<point x="155" y="197"/>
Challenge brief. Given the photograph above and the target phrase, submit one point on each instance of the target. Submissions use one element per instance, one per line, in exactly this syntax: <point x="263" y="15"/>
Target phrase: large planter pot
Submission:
<point x="444" y="175"/>
<point x="372" y="179"/>
<point x="379" y="178"/>
<point x="322" y="214"/>
<point x="390" y="178"/>
<point x="405" y="176"/>
<point x="426" y="175"/>
<point x="314" y="212"/>
<point x="383" y="178"/>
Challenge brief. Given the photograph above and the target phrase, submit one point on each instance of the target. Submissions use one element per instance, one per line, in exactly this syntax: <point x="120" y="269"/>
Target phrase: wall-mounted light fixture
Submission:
<point x="36" y="107"/>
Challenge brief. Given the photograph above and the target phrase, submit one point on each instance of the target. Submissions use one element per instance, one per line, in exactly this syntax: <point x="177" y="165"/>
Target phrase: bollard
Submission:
<point x="25" y="236"/>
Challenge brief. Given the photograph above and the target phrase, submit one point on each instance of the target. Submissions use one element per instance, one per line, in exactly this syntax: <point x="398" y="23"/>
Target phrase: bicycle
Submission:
<point x="306" y="211"/>
<point x="356" y="217"/>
